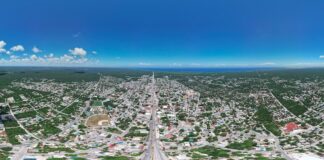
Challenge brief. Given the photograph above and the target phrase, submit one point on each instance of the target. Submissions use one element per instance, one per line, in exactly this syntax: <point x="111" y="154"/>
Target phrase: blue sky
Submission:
<point x="168" y="33"/>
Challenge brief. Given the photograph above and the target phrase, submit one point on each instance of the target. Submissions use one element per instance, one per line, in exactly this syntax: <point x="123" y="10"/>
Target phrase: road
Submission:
<point x="20" y="154"/>
<point x="20" y="125"/>
<point x="153" y="151"/>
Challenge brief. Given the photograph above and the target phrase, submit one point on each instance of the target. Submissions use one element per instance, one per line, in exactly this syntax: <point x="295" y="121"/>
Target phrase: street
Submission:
<point x="153" y="151"/>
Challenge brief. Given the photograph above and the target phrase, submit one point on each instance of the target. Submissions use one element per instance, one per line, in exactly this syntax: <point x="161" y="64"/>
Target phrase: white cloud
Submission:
<point x="17" y="48"/>
<point x="2" y="44"/>
<point x="81" y="60"/>
<point x="77" y="56"/>
<point x="47" y="60"/>
<point x="36" y="50"/>
<point x="33" y="57"/>
<point x="321" y="56"/>
<point x="51" y="55"/>
<point x="13" y="57"/>
<point x="78" y="52"/>
<point x="3" y="50"/>
<point x="66" y="58"/>
<point x="144" y="64"/>
<point x="176" y="64"/>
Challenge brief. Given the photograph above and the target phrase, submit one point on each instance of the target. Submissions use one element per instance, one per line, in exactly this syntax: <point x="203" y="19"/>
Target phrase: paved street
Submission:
<point x="153" y="149"/>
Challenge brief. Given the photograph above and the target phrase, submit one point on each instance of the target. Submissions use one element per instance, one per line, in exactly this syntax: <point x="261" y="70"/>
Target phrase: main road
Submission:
<point x="153" y="151"/>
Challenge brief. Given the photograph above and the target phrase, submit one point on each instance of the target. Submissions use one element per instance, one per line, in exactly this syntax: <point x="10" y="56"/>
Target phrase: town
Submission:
<point x="147" y="115"/>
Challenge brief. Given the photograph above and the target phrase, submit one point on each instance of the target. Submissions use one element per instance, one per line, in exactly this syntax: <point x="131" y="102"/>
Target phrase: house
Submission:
<point x="11" y="100"/>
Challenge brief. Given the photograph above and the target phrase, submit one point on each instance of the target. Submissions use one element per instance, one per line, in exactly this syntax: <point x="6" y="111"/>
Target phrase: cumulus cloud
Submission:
<point x="2" y="49"/>
<point x="13" y="57"/>
<point x="17" y="48"/>
<point x="33" y="57"/>
<point x="66" y="58"/>
<point x="51" y="55"/>
<point x="36" y="50"/>
<point x="47" y="60"/>
<point x="76" y="56"/>
<point x="2" y="44"/>
<point x="78" y="52"/>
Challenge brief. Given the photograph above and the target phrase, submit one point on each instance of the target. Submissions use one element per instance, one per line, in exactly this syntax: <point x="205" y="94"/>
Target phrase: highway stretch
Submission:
<point x="153" y="151"/>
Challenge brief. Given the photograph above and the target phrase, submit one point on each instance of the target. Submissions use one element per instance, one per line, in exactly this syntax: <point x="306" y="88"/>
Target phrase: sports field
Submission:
<point x="98" y="120"/>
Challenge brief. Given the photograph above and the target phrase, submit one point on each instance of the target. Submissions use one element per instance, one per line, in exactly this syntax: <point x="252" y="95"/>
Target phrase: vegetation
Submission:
<point x="12" y="133"/>
<point x="71" y="109"/>
<point x="49" y="128"/>
<point x="198" y="156"/>
<point x="53" y="158"/>
<point x="4" y="153"/>
<point x="114" y="130"/>
<point x="10" y="123"/>
<point x="215" y="153"/>
<point x="182" y="116"/>
<point x="96" y="103"/>
<point x="48" y="149"/>
<point x="265" y="118"/>
<point x="26" y="114"/>
<point x="124" y="123"/>
<point x="247" y="144"/>
<point x="114" y="158"/>
<point x="134" y="132"/>
<point x="294" y="107"/>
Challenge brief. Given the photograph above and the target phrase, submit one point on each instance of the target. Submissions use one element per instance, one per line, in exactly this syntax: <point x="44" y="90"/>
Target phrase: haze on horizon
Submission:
<point x="143" y="33"/>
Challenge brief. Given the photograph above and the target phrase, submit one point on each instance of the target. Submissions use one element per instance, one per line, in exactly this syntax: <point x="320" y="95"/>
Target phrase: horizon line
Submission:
<point x="170" y="67"/>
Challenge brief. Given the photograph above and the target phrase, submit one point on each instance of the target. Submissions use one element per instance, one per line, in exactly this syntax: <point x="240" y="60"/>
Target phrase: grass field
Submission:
<point x="96" y="103"/>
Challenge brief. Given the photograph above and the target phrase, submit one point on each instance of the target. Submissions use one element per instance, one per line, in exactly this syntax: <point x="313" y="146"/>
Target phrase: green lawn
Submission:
<point x="96" y="103"/>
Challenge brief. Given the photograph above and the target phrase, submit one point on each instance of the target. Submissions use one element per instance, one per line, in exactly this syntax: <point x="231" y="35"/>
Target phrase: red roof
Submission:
<point x="169" y="136"/>
<point x="291" y="126"/>
<point x="111" y="145"/>
<point x="119" y="138"/>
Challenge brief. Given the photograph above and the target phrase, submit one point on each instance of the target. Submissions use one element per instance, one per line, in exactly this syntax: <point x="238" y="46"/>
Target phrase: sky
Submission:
<point x="162" y="33"/>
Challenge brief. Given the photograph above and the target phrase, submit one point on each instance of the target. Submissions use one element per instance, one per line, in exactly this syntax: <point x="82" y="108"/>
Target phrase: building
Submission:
<point x="291" y="126"/>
